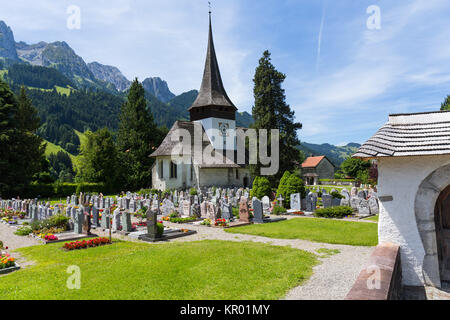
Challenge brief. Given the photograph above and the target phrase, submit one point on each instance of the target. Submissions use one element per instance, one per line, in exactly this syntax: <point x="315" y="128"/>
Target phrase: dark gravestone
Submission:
<point x="126" y="222"/>
<point x="95" y="216"/>
<point x="78" y="223"/>
<point x="87" y="224"/>
<point x="326" y="199"/>
<point x="257" y="211"/>
<point x="152" y="228"/>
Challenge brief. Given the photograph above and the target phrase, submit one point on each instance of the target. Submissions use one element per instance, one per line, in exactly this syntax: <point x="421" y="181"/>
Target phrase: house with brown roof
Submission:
<point x="209" y="141"/>
<point x="315" y="168"/>
<point x="413" y="157"/>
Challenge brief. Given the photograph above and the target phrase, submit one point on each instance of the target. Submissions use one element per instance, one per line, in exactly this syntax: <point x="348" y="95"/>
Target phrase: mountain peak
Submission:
<point x="109" y="74"/>
<point x="158" y="88"/>
<point x="7" y="43"/>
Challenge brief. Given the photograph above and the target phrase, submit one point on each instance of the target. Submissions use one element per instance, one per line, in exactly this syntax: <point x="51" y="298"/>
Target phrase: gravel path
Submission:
<point x="13" y="242"/>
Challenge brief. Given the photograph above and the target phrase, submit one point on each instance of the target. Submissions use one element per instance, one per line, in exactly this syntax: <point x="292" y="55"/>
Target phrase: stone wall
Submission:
<point x="384" y="266"/>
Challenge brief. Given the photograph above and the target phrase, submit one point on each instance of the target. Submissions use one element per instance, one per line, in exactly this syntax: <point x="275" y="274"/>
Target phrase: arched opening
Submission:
<point x="442" y="221"/>
<point x="245" y="182"/>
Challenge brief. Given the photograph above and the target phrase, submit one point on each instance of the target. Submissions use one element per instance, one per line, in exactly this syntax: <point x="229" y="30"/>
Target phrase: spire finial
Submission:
<point x="209" y="5"/>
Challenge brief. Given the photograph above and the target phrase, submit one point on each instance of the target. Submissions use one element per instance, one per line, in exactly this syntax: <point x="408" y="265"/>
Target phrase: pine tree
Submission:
<point x="446" y="104"/>
<point x="271" y="111"/>
<point x="22" y="150"/>
<point x="99" y="158"/>
<point x="137" y="137"/>
<point x="282" y="186"/>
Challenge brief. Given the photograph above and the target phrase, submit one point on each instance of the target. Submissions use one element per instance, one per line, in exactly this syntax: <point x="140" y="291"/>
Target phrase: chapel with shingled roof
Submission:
<point x="212" y="125"/>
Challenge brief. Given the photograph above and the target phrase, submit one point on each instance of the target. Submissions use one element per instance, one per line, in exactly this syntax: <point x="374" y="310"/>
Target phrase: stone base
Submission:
<point x="238" y="224"/>
<point x="173" y="234"/>
<point x="10" y="269"/>
<point x="269" y="220"/>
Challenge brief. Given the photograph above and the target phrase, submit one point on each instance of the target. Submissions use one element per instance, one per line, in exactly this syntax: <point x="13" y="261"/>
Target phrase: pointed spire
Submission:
<point x="212" y="94"/>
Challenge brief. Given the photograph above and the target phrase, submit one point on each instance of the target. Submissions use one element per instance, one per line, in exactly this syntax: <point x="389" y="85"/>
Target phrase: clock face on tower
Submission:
<point x="223" y="128"/>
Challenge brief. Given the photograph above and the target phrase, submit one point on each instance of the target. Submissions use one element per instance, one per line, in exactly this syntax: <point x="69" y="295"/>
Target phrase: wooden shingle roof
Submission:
<point x="166" y="147"/>
<point x="415" y="134"/>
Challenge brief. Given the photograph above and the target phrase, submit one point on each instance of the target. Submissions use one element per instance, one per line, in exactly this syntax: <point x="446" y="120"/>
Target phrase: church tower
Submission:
<point x="213" y="108"/>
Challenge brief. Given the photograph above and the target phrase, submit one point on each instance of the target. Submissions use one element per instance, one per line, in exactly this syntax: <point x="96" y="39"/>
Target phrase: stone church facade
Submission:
<point x="213" y="124"/>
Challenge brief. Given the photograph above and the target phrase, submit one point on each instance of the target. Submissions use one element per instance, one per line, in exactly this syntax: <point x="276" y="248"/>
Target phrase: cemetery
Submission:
<point x="105" y="225"/>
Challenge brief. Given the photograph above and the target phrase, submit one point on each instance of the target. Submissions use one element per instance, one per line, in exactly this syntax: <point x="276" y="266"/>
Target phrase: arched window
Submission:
<point x="173" y="170"/>
<point x="161" y="169"/>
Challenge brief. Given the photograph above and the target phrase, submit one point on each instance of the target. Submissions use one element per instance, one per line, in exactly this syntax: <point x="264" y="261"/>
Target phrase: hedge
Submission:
<point x="334" y="212"/>
<point x="51" y="190"/>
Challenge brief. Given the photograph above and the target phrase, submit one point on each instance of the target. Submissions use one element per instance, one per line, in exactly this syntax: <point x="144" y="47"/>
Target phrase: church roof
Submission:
<point x="166" y="147"/>
<point x="312" y="162"/>
<point x="212" y="91"/>
<point x="414" y="134"/>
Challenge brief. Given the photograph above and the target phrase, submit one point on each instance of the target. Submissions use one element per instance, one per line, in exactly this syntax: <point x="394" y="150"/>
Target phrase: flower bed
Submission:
<point x="7" y="263"/>
<point x="49" y="237"/>
<point x="221" y="223"/>
<point x="179" y="220"/>
<point x="68" y="246"/>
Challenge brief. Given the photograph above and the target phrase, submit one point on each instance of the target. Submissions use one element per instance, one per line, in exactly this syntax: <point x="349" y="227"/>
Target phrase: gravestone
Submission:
<point x="361" y="194"/>
<point x="195" y="210"/>
<point x="95" y="216"/>
<point x="363" y="208"/>
<point x="203" y="209"/>
<point x="266" y="203"/>
<point x="353" y="192"/>
<point x="86" y="224"/>
<point x="258" y="214"/>
<point x="126" y="222"/>
<point x="280" y="200"/>
<point x="116" y="220"/>
<point x="211" y="211"/>
<point x="354" y="202"/>
<point x="78" y="223"/>
<point x="227" y="211"/>
<point x="373" y="205"/>
<point x="295" y="201"/>
<point x="243" y="210"/>
<point x="326" y="199"/>
<point x="106" y="219"/>
<point x="186" y="209"/>
<point x="152" y="228"/>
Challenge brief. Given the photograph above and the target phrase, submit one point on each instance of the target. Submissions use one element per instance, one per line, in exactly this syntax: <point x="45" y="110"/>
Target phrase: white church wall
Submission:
<point x="400" y="178"/>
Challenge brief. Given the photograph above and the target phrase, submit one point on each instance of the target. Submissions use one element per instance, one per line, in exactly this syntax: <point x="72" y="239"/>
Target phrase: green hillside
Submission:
<point x="336" y="154"/>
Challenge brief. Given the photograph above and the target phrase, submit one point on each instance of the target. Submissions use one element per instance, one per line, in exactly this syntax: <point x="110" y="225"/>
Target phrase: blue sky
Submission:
<point x="344" y="94"/>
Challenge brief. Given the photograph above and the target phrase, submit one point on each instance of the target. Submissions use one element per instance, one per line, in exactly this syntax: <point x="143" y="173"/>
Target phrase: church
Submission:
<point x="215" y="115"/>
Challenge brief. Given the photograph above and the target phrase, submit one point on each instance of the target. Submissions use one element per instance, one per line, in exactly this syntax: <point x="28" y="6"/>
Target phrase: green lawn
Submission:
<point x="372" y="218"/>
<point x="184" y="270"/>
<point x="316" y="230"/>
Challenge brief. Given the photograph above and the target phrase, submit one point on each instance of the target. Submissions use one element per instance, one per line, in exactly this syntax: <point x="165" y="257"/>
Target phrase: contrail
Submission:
<point x="320" y="36"/>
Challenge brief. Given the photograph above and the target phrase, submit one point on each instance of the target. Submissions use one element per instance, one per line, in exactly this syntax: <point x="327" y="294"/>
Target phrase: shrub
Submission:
<point x="283" y="184"/>
<point x="334" y="212"/>
<point x="160" y="229"/>
<point x="193" y="192"/>
<point x="261" y="188"/>
<point x="277" y="210"/>
<point x="337" y="195"/>
<point x="293" y="185"/>
<point x="182" y="220"/>
<point x="22" y="231"/>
